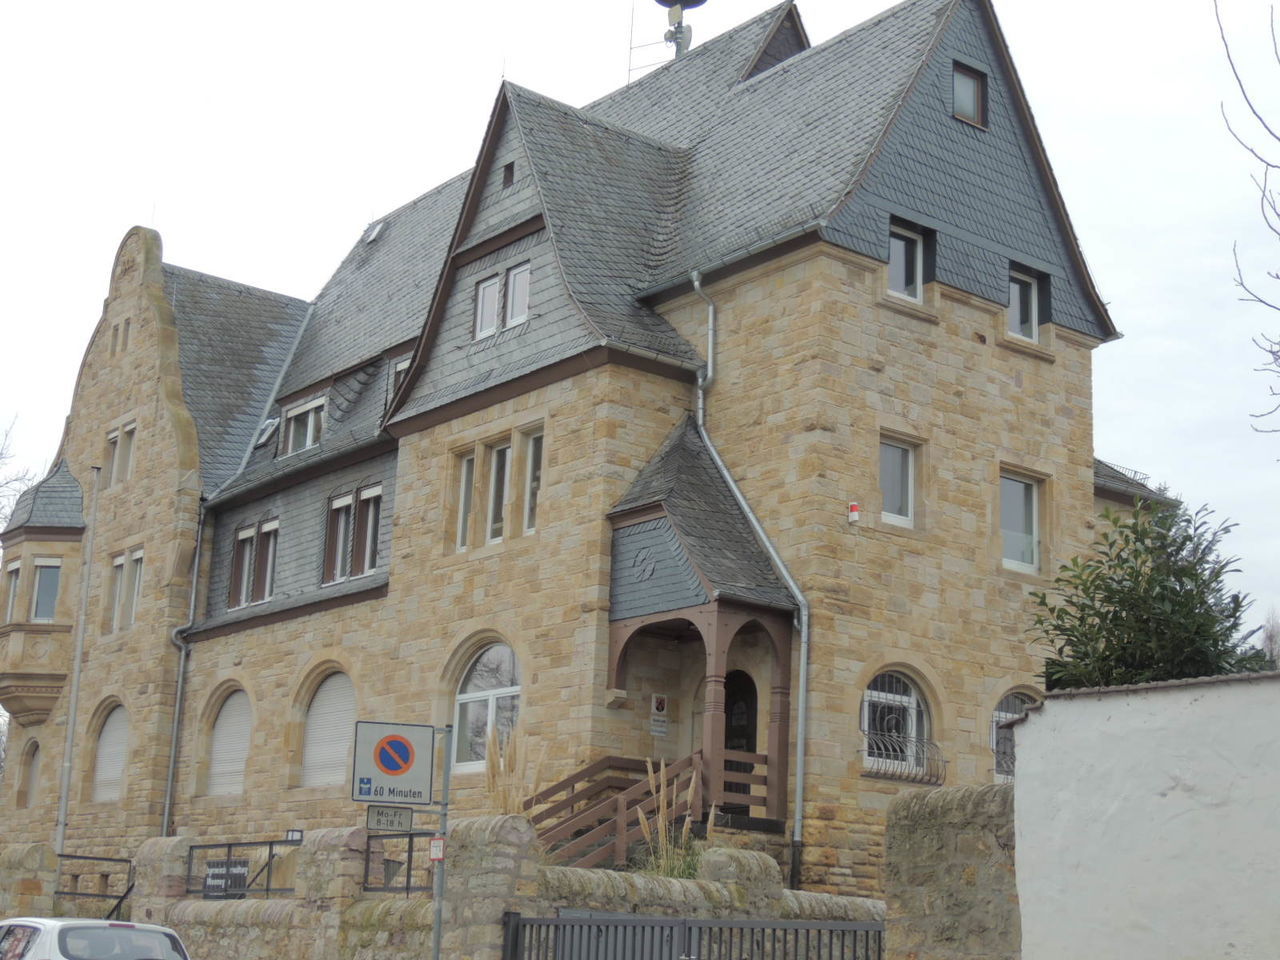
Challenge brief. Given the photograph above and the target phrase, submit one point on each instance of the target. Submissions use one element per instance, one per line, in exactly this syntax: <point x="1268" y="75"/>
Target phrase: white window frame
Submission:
<point x="113" y="446"/>
<point x="135" y="570"/>
<point x="466" y="499"/>
<point x="491" y="716"/>
<point x="12" y="581"/>
<point x="268" y="534"/>
<point x="45" y="563"/>
<point x="246" y="539"/>
<point x="117" y="591"/>
<point x="897" y="519"/>
<point x="398" y="370"/>
<point x="917" y="710"/>
<point x="369" y="545"/>
<point x="905" y="233"/>
<point x="1034" y="486"/>
<point x="497" y="496"/>
<point x="313" y="410"/>
<point x="513" y="319"/>
<point x="533" y="484"/>
<point x="1033" y="284"/>
<point x="483" y="289"/>
<point x="340" y="532"/>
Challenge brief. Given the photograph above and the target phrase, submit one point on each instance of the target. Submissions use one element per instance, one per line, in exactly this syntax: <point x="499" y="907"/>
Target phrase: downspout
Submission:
<point x="82" y="615"/>
<point x="179" y="641"/>
<point x="706" y="377"/>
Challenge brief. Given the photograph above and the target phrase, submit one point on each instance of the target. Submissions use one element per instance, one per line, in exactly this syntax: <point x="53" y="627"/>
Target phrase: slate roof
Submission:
<point x="712" y="529"/>
<point x="380" y="293"/>
<point x="233" y="341"/>
<point x="55" y="501"/>
<point x="1124" y="485"/>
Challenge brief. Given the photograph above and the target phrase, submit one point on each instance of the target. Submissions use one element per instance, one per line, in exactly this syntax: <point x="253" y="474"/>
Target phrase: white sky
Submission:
<point x="260" y="137"/>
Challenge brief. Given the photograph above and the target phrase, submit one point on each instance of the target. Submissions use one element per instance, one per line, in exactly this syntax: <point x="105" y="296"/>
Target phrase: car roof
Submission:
<point x="54" y="923"/>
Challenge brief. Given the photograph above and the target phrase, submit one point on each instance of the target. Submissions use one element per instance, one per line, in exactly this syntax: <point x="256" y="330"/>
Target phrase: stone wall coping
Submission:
<point x="964" y="805"/>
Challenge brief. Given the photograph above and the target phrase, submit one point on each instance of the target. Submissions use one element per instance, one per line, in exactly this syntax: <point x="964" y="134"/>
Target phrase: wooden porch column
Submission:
<point x="779" y="745"/>
<point x="716" y="635"/>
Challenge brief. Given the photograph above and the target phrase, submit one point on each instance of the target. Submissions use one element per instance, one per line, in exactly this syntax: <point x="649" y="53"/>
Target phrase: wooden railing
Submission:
<point x="751" y="771"/>
<point x="603" y="813"/>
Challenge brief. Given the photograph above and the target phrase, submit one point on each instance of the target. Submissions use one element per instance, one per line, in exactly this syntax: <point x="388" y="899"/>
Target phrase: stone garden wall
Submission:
<point x="950" y="888"/>
<point x="495" y="865"/>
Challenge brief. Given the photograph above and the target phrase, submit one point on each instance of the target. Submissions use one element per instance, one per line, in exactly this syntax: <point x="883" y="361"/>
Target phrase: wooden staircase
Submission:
<point x="593" y="816"/>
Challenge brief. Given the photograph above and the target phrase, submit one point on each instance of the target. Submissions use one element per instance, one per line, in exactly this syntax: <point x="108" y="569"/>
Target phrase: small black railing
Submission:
<point x="233" y="871"/>
<point x="95" y="878"/>
<point x="671" y="938"/>
<point x="896" y="757"/>
<point x="398" y="863"/>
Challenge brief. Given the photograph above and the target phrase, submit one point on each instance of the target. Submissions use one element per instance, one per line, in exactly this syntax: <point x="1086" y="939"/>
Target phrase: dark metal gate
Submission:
<point x="670" y="938"/>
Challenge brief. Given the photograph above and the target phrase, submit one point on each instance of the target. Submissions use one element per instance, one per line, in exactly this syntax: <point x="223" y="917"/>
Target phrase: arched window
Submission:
<point x="1010" y="707"/>
<point x="229" y="745"/>
<point x="29" y="780"/>
<point x="488" y="699"/>
<point x="895" y="722"/>
<point x="329" y="730"/>
<point x="110" y="757"/>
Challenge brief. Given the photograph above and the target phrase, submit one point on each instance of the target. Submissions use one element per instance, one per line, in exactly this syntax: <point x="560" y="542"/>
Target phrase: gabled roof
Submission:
<point x="233" y="342"/>
<point x="711" y="529"/>
<point x="56" y="501"/>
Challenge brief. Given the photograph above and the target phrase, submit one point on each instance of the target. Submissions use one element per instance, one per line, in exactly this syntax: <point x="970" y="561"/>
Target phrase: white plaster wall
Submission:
<point x="1148" y="824"/>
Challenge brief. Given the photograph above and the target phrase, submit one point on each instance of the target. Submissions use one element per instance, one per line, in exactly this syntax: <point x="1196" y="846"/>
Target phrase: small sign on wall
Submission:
<point x="659" y="721"/>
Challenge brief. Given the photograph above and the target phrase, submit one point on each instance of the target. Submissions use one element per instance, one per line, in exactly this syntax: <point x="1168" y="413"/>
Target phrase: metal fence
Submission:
<point x="95" y="878"/>
<point x="398" y="863"/>
<point x="669" y="938"/>
<point x="233" y="871"/>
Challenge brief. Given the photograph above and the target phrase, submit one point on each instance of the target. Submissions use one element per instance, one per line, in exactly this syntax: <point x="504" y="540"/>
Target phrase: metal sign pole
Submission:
<point x="437" y="931"/>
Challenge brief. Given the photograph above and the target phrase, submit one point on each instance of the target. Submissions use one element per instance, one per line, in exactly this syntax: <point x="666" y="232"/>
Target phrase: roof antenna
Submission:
<point x="679" y="34"/>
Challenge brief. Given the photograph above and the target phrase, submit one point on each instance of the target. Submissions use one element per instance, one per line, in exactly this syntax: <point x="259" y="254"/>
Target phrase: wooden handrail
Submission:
<point x="583" y="796"/>
<point x="740" y="756"/>
<point x="586" y="773"/>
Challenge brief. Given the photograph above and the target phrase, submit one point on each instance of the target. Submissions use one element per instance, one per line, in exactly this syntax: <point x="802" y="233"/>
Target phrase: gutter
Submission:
<point x="812" y="226"/>
<point x="706" y="377"/>
<point x="86" y="564"/>
<point x="178" y="639"/>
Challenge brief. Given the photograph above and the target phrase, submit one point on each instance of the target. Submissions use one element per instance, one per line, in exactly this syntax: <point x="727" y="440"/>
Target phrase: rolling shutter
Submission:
<point x="229" y="745"/>
<point x="108" y="764"/>
<point x="326" y="740"/>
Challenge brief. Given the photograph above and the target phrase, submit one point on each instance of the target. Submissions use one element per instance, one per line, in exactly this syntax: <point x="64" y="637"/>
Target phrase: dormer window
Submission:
<point x="399" y="372"/>
<point x="302" y="426"/>
<point x="906" y="262"/>
<point x="969" y="95"/>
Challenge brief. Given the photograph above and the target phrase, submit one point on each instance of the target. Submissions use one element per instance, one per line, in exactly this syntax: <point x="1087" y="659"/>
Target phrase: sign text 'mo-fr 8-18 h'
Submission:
<point x="393" y="762"/>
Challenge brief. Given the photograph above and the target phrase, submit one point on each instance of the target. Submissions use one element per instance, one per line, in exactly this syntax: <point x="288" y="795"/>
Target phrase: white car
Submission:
<point x="31" y="938"/>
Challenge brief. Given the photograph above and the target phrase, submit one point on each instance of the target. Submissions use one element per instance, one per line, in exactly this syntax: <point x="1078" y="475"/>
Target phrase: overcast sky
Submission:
<point x="260" y="137"/>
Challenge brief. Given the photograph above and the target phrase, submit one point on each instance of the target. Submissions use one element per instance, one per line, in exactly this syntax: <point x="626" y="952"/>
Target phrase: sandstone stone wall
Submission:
<point x="815" y="364"/>
<point x="494" y="865"/>
<point x="950" y="887"/>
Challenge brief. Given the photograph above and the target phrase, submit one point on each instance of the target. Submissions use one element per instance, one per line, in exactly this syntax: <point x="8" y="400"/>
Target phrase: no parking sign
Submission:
<point x="393" y="762"/>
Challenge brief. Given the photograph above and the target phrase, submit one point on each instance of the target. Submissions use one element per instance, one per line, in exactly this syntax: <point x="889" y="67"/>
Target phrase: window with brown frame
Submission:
<point x="969" y="94"/>
<point x="253" y="564"/>
<point x="351" y="534"/>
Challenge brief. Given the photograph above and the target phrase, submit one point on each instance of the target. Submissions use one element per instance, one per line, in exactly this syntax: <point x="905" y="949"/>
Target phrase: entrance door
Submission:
<point x="739" y="731"/>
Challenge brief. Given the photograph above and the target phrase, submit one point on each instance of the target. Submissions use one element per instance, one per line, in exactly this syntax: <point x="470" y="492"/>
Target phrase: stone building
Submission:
<point x="572" y="444"/>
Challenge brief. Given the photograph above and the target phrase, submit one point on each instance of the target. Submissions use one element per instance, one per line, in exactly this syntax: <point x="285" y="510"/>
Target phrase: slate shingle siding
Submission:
<point x="460" y="365"/>
<point x="980" y="189"/>
<point x="55" y="501"/>
<point x="785" y="43"/>
<point x="651" y="572"/>
<point x="303" y="514"/>
<point x="233" y="341"/>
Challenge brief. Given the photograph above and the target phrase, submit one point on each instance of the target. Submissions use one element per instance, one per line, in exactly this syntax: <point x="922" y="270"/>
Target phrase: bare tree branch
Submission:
<point x="12" y="480"/>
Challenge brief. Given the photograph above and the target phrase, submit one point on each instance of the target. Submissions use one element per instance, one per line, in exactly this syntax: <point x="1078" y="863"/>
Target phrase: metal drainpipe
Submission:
<point x="86" y="563"/>
<point x="177" y="640"/>
<point x="705" y="379"/>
